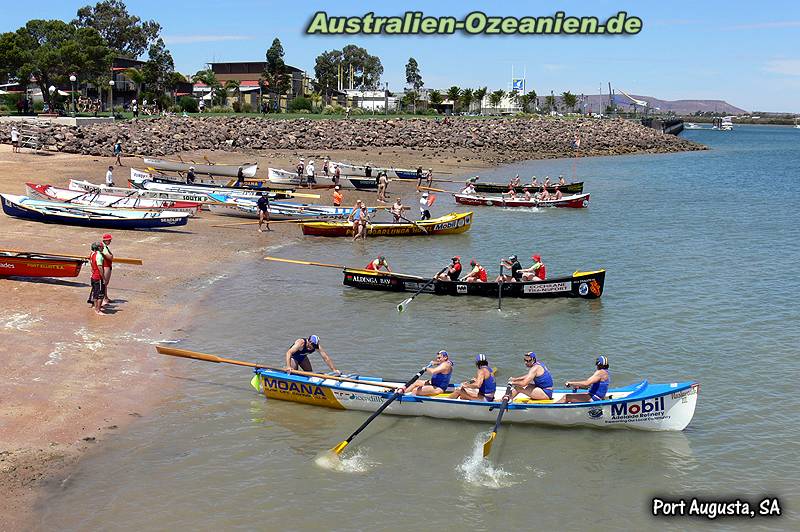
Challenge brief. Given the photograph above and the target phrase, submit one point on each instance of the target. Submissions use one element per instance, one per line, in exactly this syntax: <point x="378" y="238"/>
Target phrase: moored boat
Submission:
<point x="38" y="265"/>
<point x="642" y="406"/>
<point x="455" y="222"/>
<point x="577" y="201"/>
<point x="230" y="170"/>
<point x="586" y="285"/>
<point x="499" y="188"/>
<point x="97" y="198"/>
<point x="82" y="215"/>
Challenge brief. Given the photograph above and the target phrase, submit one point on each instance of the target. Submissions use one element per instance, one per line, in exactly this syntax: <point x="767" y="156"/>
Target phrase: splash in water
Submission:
<point x="478" y="471"/>
<point x="357" y="462"/>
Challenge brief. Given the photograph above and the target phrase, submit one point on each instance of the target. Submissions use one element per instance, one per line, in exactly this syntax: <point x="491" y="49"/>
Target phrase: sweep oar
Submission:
<point x="403" y="304"/>
<point x="121" y="260"/>
<point x="432" y="189"/>
<point x="185" y="353"/>
<point x="500" y="290"/>
<point x="306" y="262"/>
<point x="234" y="224"/>
<point x="413" y="222"/>
<point x="487" y="447"/>
<point x="339" y="448"/>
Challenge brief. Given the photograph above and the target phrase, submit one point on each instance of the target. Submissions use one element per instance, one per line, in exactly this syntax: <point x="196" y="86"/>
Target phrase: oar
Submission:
<point x="185" y="353"/>
<point x="121" y="260"/>
<point x="413" y="222"/>
<point x="403" y="304"/>
<point x="339" y="448"/>
<point x="306" y="262"/>
<point x="500" y="290"/>
<point x="436" y="189"/>
<point x="487" y="447"/>
<point x="233" y="224"/>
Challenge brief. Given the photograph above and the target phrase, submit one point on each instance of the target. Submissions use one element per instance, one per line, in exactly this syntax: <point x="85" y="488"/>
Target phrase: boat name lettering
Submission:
<point x="685" y="393"/>
<point x="370" y="279"/>
<point x="294" y="387"/>
<point x="638" y="411"/>
<point x="6" y="265"/>
<point x="547" y="287"/>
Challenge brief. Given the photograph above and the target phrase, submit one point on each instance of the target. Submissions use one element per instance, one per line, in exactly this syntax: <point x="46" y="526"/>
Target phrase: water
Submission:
<point x="702" y="258"/>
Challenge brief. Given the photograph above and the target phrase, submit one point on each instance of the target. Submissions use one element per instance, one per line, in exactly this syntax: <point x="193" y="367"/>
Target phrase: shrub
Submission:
<point x="300" y="103"/>
<point x="247" y="108"/>
<point x="334" y="109"/>
<point x="175" y="109"/>
<point x="303" y="111"/>
<point x="219" y="109"/>
<point x="38" y="106"/>
<point x="237" y="107"/>
<point x="188" y="104"/>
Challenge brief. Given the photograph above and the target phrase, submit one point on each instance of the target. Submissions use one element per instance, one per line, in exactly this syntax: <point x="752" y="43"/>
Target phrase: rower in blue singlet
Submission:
<point x="441" y="369"/>
<point x="537" y="383"/>
<point x="482" y="387"/>
<point x="597" y="383"/>
<point x="297" y="355"/>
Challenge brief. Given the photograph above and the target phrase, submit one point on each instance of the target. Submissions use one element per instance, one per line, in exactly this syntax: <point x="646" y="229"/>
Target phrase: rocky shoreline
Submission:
<point x="504" y="139"/>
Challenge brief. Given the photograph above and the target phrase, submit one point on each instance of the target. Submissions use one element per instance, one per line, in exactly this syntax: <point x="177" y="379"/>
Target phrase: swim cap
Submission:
<point x="512" y="257"/>
<point x="536" y="257"/>
<point x="314" y="339"/>
<point x="601" y="361"/>
<point x="443" y="353"/>
<point x="424" y="194"/>
<point x="107" y="236"/>
<point x="456" y="257"/>
<point x="480" y="357"/>
<point x="532" y="355"/>
<point x="472" y="262"/>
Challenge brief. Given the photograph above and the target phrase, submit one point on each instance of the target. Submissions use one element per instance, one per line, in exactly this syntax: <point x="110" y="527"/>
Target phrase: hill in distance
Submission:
<point x="598" y="103"/>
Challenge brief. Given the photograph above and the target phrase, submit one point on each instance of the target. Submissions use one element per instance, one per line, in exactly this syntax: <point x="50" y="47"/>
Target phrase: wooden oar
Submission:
<point x="413" y="222"/>
<point x="306" y="262"/>
<point x="403" y="304"/>
<point x="487" y="447"/>
<point x="185" y="353"/>
<point x="339" y="448"/>
<point x="436" y="190"/>
<point x="253" y="222"/>
<point x="121" y="260"/>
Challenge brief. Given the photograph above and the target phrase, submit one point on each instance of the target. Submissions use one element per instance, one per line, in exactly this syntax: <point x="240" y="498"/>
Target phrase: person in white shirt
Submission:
<point x="14" y="140"/>
<point x="425" y="214"/>
<point x="310" y="177"/>
<point x="110" y="177"/>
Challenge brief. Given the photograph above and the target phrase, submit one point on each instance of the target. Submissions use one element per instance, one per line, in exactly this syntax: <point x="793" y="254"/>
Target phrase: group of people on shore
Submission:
<point x="536" y="272"/>
<point x="536" y="383"/>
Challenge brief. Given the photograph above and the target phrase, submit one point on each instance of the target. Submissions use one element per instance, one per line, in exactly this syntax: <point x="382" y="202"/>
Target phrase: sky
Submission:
<point x="746" y="53"/>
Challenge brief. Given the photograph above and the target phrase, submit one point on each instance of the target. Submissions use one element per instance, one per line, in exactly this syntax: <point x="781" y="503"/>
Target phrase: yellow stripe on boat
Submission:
<point x="299" y="392"/>
<point x="578" y="274"/>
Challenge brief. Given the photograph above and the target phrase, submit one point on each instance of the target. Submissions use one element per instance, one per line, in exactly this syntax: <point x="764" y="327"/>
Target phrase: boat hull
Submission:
<point x="284" y="177"/>
<point x="405" y="174"/>
<point x="585" y="285"/>
<point x="85" y="186"/>
<point x="499" y="188"/>
<point x="22" y="265"/>
<point x="230" y="170"/>
<point x="132" y="200"/>
<point x="578" y="201"/>
<point x="366" y="183"/>
<point x="643" y="406"/>
<point x="206" y="182"/>
<point x="449" y="224"/>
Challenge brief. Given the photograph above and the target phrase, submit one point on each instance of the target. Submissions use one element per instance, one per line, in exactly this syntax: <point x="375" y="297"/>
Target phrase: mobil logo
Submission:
<point x="645" y="407"/>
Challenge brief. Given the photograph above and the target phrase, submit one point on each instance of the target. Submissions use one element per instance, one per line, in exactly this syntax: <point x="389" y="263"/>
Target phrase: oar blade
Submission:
<point x="339" y="448"/>
<point x="487" y="447"/>
<point x="402" y="306"/>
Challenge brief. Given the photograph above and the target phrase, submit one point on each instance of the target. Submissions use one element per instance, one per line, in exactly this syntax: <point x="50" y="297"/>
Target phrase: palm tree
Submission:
<point x="496" y="97"/>
<point x="235" y="87"/>
<point x="452" y="94"/>
<point x="467" y="97"/>
<point x="550" y="102"/>
<point x="569" y="99"/>
<point x="514" y="97"/>
<point x="534" y="99"/>
<point x="435" y="97"/>
<point x="137" y="78"/>
<point x="316" y="101"/>
<point x="479" y="95"/>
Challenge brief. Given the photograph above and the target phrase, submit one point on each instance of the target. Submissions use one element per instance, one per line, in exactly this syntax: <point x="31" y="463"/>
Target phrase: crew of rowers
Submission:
<point x="540" y="191"/>
<point x="536" y="272"/>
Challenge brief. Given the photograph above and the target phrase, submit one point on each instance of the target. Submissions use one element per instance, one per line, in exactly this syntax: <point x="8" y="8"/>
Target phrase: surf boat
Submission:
<point x="577" y="201"/>
<point x="455" y="222"/>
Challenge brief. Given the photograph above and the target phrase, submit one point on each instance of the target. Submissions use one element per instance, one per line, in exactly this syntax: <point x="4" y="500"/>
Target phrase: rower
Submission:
<point x="544" y="195"/>
<point x="338" y="197"/>
<point x="453" y="271"/>
<point x="527" y="194"/>
<point x="561" y="180"/>
<point x="537" y="272"/>
<point x="263" y="210"/>
<point x="190" y="176"/>
<point x="546" y="181"/>
<point x="597" y="383"/>
<point x="536" y="384"/>
<point x="397" y="210"/>
<point x="482" y="387"/>
<point x="297" y="355"/>
<point x="377" y="264"/>
<point x="514" y="182"/>
<point x="469" y="189"/>
<point x="441" y="369"/>
<point x="358" y="217"/>
<point x="478" y="273"/>
<point x="514" y="267"/>
<point x="535" y="184"/>
<point x="557" y="195"/>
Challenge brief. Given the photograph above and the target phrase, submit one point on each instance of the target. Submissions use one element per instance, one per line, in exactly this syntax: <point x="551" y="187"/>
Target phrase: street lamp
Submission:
<point x="111" y="96"/>
<point x="386" y="100"/>
<point x="73" y="79"/>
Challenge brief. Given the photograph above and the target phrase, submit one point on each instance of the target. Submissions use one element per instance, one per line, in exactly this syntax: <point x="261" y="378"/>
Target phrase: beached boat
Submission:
<point x="248" y="208"/>
<point x="499" y="188"/>
<point x="82" y="215"/>
<point x="642" y="406"/>
<point x="285" y="177"/>
<point x="205" y="181"/>
<point x="133" y="200"/>
<point x="363" y="183"/>
<point x="577" y="201"/>
<point x="86" y="186"/>
<point x="586" y="285"/>
<point x="38" y="265"/>
<point x="404" y="173"/>
<point x="230" y="170"/>
<point x="359" y="169"/>
<point x="206" y="190"/>
<point x="455" y="222"/>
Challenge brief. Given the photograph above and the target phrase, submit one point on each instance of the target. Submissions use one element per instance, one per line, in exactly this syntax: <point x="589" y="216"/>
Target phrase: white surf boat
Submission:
<point x="230" y="170"/>
<point x="98" y="198"/>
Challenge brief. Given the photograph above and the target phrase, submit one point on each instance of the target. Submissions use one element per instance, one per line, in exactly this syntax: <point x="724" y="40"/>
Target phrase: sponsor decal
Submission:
<point x="585" y="203"/>
<point x="461" y="289"/>
<point x="594" y="286"/>
<point x="595" y="413"/>
<point x="369" y="279"/>
<point x="299" y="392"/>
<point x="683" y="395"/>
<point x="6" y="265"/>
<point x="540" y="288"/>
<point x="367" y="398"/>
<point x="644" y="410"/>
<point x="299" y="388"/>
<point x="583" y="289"/>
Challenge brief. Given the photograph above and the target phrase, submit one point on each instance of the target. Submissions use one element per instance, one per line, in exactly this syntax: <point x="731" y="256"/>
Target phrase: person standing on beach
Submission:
<point x="326" y="166"/>
<point x="118" y="152"/>
<point x="263" y="211"/>
<point x="310" y="173"/>
<point x="383" y="182"/>
<point x="429" y="178"/>
<point x="98" y="293"/>
<point x="419" y="176"/>
<point x="14" y="139"/>
<point x="338" y="197"/>
<point x="337" y="174"/>
<point x="108" y="265"/>
<point x="110" y="177"/>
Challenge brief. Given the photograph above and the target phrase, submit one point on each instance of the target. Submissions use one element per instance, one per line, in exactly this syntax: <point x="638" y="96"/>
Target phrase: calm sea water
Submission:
<point x="702" y="257"/>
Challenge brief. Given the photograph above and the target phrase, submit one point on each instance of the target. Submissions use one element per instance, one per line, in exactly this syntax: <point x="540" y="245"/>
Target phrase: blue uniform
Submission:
<point x="302" y="355"/>
<point x="598" y="390"/>
<point x="544" y="381"/>
<point x="488" y="386"/>
<point x="442" y="380"/>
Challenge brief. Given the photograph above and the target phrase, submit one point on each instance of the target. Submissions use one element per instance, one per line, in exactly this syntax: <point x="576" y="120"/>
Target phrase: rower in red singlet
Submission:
<point x="377" y="264"/>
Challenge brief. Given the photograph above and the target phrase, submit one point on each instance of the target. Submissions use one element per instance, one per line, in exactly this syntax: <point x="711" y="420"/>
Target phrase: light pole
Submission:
<point x="386" y="100"/>
<point x="111" y="96"/>
<point x="73" y="79"/>
<point x="52" y="91"/>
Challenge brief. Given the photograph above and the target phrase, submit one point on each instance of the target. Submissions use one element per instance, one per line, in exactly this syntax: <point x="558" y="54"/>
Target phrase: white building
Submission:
<point x="372" y="101"/>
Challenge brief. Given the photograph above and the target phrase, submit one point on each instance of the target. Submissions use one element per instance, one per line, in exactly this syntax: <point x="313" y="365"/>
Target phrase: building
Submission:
<point x="248" y="74"/>
<point x="372" y="101"/>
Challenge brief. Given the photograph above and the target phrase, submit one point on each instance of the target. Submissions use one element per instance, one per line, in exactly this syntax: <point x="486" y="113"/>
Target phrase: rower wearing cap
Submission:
<point x="512" y="263"/>
<point x="537" y="383"/>
<point x="557" y="194"/>
<point x="597" y="383"/>
<point x="297" y="355"/>
<point x="514" y="182"/>
<point x="526" y="194"/>
<point x="108" y="259"/>
<point x="453" y="272"/>
<point x="537" y="272"/>
<point x="478" y="273"/>
<point x="469" y="189"/>
<point x="561" y="180"/>
<point x="377" y="264"/>
<point x="482" y="387"/>
<point x="441" y="369"/>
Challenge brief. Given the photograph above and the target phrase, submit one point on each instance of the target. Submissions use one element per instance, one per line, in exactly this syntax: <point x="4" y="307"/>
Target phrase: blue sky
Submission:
<point x="743" y="52"/>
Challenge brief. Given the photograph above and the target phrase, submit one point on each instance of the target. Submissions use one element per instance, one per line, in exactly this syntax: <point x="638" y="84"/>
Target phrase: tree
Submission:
<point x="480" y="94"/>
<point x="316" y="101"/>
<point x="137" y="78"/>
<point x="326" y="70"/>
<point x="208" y="78"/>
<point x="413" y="75"/>
<point x="550" y="103"/>
<point x="410" y="99"/>
<point x="435" y="97"/>
<point x="50" y="51"/>
<point x="534" y="99"/>
<point x="234" y="86"/>
<point x="452" y="94"/>
<point x="514" y="96"/>
<point x="467" y="97"/>
<point x="569" y="99"/>
<point x="124" y="33"/>
<point x="367" y="69"/>
<point x="156" y="72"/>
<point x="276" y="74"/>
<point x="496" y="97"/>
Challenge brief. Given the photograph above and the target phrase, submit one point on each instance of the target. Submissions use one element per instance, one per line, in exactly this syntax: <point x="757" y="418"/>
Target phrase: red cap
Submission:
<point x="107" y="236"/>
<point x="536" y="257"/>
<point x="456" y="257"/>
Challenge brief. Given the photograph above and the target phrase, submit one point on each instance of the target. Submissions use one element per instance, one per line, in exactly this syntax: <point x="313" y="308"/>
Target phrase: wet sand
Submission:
<point x="72" y="377"/>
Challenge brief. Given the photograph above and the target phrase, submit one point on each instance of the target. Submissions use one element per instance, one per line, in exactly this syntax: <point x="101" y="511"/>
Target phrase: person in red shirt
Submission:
<point x="98" y="294"/>
<point x="108" y="259"/>
<point x="453" y="271"/>
<point x="537" y="272"/>
<point x="478" y="273"/>
<point x="338" y="197"/>
<point x="377" y="264"/>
